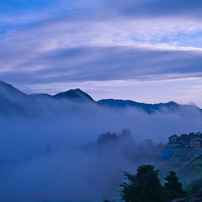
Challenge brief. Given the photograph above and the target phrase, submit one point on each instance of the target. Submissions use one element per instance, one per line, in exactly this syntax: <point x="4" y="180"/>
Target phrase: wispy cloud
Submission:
<point x="83" y="41"/>
<point x="157" y="8"/>
<point x="98" y="64"/>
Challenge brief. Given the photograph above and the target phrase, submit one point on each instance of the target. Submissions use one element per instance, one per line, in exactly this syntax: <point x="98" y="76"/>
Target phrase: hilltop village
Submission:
<point x="184" y="146"/>
<point x="183" y="154"/>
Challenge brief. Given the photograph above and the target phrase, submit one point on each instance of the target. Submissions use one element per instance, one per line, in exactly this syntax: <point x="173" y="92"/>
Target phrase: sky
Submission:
<point x="144" y="50"/>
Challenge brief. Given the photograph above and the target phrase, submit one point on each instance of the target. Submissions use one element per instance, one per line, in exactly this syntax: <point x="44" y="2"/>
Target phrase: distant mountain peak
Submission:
<point x="5" y="85"/>
<point x="75" y="95"/>
<point x="8" y="89"/>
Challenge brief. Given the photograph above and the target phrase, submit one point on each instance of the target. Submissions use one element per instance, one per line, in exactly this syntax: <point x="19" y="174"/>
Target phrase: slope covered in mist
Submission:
<point x="73" y="117"/>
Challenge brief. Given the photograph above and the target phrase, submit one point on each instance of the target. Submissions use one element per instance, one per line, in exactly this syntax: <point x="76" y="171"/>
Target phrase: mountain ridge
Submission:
<point x="12" y="99"/>
<point x="149" y="108"/>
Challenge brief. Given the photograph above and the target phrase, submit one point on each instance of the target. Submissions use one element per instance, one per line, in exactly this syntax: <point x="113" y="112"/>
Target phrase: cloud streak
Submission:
<point x="103" y="64"/>
<point x="157" y="8"/>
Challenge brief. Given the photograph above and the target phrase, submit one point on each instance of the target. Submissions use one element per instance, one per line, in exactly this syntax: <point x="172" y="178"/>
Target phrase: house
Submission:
<point x="186" y="142"/>
<point x="174" y="142"/>
<point x="196" y="143"/>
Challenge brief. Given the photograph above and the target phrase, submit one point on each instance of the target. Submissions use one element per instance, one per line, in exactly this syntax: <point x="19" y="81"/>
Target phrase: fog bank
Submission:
<point x="53" y="150"/>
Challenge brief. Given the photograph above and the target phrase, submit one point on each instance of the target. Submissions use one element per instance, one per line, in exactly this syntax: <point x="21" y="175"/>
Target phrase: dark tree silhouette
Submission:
<point x="106" y="200"/>
<point x="144" y="186"/>
<point x="173" y="188"/>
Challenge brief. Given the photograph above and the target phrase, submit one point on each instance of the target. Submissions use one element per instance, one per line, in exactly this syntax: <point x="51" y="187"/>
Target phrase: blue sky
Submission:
<point x="148" y="51"/>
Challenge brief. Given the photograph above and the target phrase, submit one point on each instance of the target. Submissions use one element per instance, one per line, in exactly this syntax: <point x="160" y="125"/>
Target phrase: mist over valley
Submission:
<point x="68" y="147"/>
